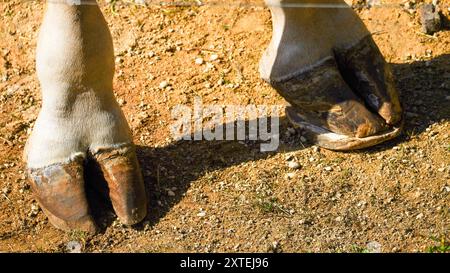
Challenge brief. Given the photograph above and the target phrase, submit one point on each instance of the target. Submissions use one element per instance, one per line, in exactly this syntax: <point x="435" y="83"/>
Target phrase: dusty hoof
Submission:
<point x="337" y="142"/>
<point x="367" y="73"/>
<point x="126" y="187"/>
<point x="59" y="189"/>
<point x="329" y="100"/>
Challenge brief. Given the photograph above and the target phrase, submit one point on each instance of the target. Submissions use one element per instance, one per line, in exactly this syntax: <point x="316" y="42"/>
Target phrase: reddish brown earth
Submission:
<point x="228" y="196"/>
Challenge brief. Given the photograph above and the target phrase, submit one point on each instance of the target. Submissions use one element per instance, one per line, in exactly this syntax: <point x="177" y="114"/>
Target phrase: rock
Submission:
<point x="214" y="57"/>
<point x="430" y="19"/>
<point x="34" y="210"/>
<point x="163" y="84"/>
<point x="73" y="247"/>
<point x="170" y="193"/>
<point x="6" y="190"/>
<point x="199" y="61"/>
<point x="201" y="214"/>
<point x="209" y="67"/>
<point x="373" y="3"/>
<point x="328" y="168"/>
<point x="289" y="176"/>
<point x="374" y="247"/>
<point x="294" y="165"/>
<point x="119" y="60"/>
<point x="291" y="131"/>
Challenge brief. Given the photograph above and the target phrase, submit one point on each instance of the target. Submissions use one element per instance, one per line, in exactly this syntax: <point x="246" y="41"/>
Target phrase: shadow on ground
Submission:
<point x="424" y="88"/>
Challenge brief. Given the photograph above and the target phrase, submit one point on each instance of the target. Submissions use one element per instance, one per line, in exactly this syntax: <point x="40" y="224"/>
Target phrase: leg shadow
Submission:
<point x="169" y="171"/>
<point x="424" y="88"/>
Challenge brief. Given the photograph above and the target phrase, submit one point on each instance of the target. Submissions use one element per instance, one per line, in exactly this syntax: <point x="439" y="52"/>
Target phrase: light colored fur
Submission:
<point x="302" y="36"/>
<point x="75" y="67"/>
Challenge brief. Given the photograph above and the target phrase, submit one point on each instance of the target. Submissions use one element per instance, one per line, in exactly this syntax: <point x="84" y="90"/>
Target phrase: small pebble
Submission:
<point x="430" y="19"/>
<point x="5" y="190"/>
<point x="119" y="60"/>
<point x="163" y="84"/>
<point x="73" y="247"/>
<point x="170" y="193"/>
<point x="294" y="165"/>
<point x="374" y="247"/>
<point x="290" y="176"/>
<point x="34" y="210"/>
<point x="201" y="214"/>
<point x="291" y="130"/>
<point x="199" y="61"/>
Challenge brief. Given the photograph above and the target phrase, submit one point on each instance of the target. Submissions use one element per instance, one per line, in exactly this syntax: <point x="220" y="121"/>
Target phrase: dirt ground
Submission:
<point x="227" y="196"/>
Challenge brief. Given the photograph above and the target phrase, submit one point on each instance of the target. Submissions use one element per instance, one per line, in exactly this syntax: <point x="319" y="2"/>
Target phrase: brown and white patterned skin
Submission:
<point x="336" y="81"/>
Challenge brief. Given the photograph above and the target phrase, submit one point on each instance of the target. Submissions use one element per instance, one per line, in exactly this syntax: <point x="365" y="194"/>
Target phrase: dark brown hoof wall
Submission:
<point x="126" y="186"/>
<point x="345" y="102"/>
<point x="59" y="189"/>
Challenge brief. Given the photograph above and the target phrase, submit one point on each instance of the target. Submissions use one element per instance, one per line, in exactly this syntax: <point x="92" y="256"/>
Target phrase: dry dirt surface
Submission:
<point x="227" y="196"/>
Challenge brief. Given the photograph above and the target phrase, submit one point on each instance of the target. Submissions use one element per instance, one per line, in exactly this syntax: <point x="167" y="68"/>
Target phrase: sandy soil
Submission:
<point x="227" y="196"/>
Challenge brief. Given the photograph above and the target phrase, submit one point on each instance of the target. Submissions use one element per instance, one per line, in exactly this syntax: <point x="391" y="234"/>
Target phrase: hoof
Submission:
<point x="125" y="183"/>
<point x="345" y="102"/>
<point x="338" y="142"/>
<point x="59" y="190"/>
<point x="364" y="69"/>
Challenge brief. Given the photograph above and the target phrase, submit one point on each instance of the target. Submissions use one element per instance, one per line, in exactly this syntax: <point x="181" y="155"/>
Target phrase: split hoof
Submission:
<point x="60" y="190"/>
<point x="345" y="102"/>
